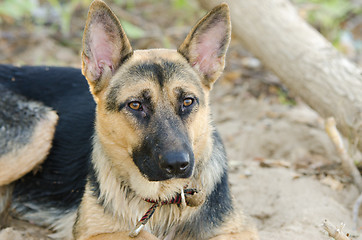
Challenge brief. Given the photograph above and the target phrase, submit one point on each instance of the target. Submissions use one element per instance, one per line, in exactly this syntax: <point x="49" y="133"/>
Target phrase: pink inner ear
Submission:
<point x="207" y="48"/>
<point x="102" y="49"/>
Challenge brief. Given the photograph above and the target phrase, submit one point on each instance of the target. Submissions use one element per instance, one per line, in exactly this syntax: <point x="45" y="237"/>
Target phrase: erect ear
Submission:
<point x="206" y="44"/>
<point x="105" y="46"/>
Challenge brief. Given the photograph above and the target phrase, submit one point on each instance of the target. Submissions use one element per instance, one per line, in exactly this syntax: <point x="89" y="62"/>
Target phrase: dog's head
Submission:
<point x="152" y="105"/>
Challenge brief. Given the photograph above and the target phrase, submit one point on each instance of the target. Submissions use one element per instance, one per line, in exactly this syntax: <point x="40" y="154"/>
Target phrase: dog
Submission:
<point x="154" y="167"/>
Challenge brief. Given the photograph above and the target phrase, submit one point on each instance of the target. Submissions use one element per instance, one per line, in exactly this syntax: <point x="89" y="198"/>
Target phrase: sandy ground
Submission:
<point x="284" y="170"/>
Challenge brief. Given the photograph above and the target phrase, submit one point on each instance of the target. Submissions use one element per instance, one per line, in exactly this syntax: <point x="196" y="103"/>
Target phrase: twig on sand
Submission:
<point x="348" y="165"/>
<point x="356" y="207"/>
<point x="334" y="232"/>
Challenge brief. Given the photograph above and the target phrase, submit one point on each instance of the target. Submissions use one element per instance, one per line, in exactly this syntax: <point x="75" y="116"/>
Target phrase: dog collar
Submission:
<point x="179" y="199"/>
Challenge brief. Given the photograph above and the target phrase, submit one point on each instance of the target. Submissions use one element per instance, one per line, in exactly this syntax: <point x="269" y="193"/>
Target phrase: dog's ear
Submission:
<point x="206" y="44"/>
<point x="105" y="46"/>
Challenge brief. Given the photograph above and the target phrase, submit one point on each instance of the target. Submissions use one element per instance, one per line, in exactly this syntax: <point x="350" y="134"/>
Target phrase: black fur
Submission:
<point x="18" y="117"/>
<point x="216" y="207"/>
<point x="153" y="71"/>
<point x="60" y="182"/>
<point x="160" y="72"/>
<point x="94" y="184"/>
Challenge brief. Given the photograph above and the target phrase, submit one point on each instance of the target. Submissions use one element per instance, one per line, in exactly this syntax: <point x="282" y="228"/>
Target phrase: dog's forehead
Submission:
<point x="154" y="54"/>
<point x="156" y="71"/>
<point x="161" y="65"/>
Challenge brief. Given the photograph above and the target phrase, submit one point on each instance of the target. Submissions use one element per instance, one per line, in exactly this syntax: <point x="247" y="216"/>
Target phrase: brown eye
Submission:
<point x="135" y="105"/>
<point x="188" y="102"/>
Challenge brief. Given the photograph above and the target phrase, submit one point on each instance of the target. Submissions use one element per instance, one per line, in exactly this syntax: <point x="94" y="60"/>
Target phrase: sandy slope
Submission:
<point x="291" y="195"/>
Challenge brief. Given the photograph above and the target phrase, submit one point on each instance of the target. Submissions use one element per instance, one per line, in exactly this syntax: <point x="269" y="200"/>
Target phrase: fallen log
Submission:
<point x="307" y="64"/>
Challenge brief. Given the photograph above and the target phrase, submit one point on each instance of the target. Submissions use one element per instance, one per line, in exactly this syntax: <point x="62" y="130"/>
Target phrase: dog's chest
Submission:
<point x="165" y="221"/>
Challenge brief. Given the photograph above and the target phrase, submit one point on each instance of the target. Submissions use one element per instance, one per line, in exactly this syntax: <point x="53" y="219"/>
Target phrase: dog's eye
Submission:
<point x="135" y="105"/>
<point x="188" y="102"/>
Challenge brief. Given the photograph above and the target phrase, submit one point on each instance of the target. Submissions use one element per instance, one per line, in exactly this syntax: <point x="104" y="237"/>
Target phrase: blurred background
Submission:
<point x="49" y="32"/>
<point x="34" y="32"/>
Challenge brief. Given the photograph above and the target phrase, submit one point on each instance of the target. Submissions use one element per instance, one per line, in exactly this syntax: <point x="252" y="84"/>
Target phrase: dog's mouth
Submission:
<point x="162" y="190"/>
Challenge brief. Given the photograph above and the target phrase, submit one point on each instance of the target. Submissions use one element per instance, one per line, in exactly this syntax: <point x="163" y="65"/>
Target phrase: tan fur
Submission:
<point x="18" y="162"/>
<point x="117" y="134"/>
<point x="237" y="227"/>
<point x="123" y="235"/>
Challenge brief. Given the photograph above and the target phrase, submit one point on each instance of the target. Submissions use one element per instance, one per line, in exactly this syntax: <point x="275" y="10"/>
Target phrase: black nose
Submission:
<point x="175" y="163"/>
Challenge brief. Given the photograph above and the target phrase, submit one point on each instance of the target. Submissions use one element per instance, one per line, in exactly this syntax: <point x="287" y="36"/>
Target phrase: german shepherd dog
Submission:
<point x="155" y="167"/>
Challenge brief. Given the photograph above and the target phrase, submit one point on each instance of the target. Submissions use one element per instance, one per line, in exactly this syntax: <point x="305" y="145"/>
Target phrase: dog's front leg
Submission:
<point x="143" y="235"/>
<point x="236" y="227"/>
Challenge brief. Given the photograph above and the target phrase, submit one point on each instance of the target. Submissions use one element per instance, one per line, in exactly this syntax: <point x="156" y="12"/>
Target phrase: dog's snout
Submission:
<point x="175" y="163"/>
